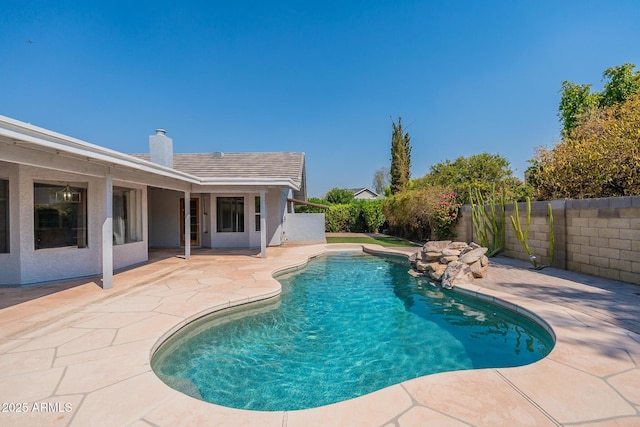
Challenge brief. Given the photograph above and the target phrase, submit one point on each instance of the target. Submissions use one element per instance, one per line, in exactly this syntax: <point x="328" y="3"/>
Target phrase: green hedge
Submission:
<point x="356" y="217"/>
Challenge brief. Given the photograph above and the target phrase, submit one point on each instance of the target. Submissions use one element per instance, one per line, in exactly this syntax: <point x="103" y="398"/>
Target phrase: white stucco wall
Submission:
<point x="276" y="209"/>
<point x="59" y="263"/>
<point x="26" y="265"/>
<point x="231" y="239"/>
<point x="10" y="262"/>
<point x="304" y="227"/>
<point x="164" y="218"/>
<point x="135" y="252"/>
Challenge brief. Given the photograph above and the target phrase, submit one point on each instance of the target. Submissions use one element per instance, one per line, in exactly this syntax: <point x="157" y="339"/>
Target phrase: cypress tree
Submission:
<point x="400" y="158"/>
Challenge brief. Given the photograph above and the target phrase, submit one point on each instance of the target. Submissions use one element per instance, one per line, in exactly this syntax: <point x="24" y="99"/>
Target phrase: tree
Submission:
<point x="601" y="157"/>
<point x="623" y="82"/>
<point x="576" y="100"/>
<point x="381" y="180"/>
<point x="339" y="196"/>
<point x="479" y="171"/>
<point x="400" y="158"/>
<point x="578" y="103"/>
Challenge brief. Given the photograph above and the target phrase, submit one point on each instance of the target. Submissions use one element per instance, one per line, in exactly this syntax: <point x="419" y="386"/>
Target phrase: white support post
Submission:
<point x="187" y="225"/>
<point x="107" y="235"/>
<point x="263" y="224"/>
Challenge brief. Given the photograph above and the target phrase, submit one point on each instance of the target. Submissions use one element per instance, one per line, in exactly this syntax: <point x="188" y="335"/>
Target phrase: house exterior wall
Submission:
<point x="26" y="265"/>
<point x="276" y="209"/>
<point x="58" y="263"/>
<point x="275" y="205"/>
<point x="365" y="195"/>
<point x="133" y="253"/>
<point x="10" y="262"/>
<point x="164" y="218"/>
<point x="304" y="227"/>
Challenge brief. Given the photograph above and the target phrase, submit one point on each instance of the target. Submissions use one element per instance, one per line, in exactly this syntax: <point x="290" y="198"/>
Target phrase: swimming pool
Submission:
<point x="344" y="326"/>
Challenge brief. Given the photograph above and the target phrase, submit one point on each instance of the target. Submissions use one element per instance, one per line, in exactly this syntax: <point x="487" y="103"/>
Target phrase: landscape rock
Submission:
<point x="456" y="273"/>
<point x="451" y="263"/>
<point x="435" y="246"/>
<point x="478" y="270"/>
<point x="431" y="256"/>
<point x="437" y="271"/>
<point x="447" y="259"/>
<point x="413" y="258"/>
<point x="458" y="246"/>
<point x="450" y="252"/>
<point x="473" y="255"/>
<point x="422" y="266"/>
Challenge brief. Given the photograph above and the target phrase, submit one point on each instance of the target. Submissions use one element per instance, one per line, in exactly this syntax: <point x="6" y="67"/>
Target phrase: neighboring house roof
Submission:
<point x="358" y="191"/>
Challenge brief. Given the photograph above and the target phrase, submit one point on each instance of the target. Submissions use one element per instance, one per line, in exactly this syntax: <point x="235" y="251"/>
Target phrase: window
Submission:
<point x="4" y="216"/>
<point x="257" y="215"/>
<point x="230" y="214"/>
<point x="60" y="216"/>
<point x="127" y="216"/>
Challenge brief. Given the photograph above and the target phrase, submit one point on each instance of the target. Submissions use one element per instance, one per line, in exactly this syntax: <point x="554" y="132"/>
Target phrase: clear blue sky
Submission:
<point x="323" y="77"/>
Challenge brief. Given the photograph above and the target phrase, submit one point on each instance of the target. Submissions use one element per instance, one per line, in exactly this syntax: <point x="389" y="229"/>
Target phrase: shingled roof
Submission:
<point x="278" y="165"/>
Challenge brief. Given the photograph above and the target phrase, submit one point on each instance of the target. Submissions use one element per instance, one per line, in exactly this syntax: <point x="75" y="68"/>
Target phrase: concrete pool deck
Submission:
<point x="74" y="354"/>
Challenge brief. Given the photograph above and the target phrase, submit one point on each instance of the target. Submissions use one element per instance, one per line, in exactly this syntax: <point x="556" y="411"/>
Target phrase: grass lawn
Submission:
<point x="382" y="241"/>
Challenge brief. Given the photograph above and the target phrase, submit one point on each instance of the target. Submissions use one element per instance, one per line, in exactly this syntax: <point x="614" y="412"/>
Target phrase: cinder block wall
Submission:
<point x="539" y="233"/>
<point x="592" y="236"/>
<point x="602" y="237"/>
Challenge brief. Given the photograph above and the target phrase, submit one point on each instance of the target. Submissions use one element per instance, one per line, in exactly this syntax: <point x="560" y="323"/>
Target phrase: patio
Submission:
<point x="77" y="355"/>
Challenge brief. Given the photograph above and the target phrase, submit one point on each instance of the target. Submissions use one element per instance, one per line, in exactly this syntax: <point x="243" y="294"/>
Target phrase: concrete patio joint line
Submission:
<point x="528" y="399"/>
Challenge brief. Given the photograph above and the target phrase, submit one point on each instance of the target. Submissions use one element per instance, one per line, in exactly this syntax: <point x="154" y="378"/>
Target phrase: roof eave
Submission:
<point x="86" y="150"/>
<point x="254" y="182"/>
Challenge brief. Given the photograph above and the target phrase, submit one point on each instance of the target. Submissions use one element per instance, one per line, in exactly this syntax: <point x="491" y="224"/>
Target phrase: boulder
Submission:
<point x="456" y="273"/>
<point x="458" y="246"/>
<point x="414" y="257"/>
<point x="422" y="266"/>
<point x="478" y="270"/>
<point x="432" y="266"/>
<point x="473" y="255"/>
<point x="431" y="256"/>
<point x="435" y="246"/>
<point x="484" y="261"/>
<point x="437" y="271"/>
<point x="448" y="259"/>
<point x="450" y="252"/>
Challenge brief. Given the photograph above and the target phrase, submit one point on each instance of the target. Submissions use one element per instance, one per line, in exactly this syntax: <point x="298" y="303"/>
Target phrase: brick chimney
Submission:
<point x="161" y="148"/>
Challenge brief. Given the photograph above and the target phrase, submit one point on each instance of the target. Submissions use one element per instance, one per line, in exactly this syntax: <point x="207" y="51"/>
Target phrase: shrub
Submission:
<point x="445" y="216"/>
<point x="357" y="217"/>
<point x="415" y="214"/>
<point x="373" y="216"/>
<point x="599" y="159"/>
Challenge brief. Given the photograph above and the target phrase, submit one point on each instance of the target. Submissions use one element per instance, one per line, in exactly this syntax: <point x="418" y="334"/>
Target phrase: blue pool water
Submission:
<point x="344" y="326"/>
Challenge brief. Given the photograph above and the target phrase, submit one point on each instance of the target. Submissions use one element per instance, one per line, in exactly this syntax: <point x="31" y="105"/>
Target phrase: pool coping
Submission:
<point x="94" y="354"/>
